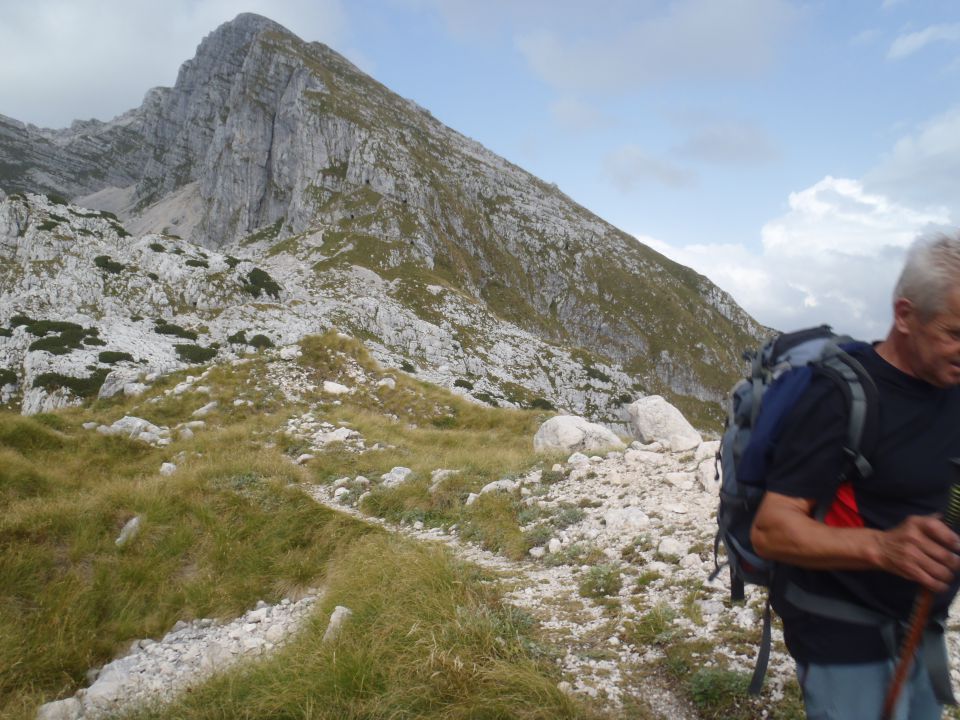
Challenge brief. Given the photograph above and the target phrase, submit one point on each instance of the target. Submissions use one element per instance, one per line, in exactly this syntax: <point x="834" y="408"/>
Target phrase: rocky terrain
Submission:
<point x="278" y="152"/>
<point x="138" y="308"/>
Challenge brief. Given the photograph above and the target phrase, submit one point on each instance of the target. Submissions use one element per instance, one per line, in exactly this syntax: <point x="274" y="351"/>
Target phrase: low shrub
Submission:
<point x="112" y="356"/>
<point x="195" y="353"/>
<point x="153" y="276"/>
<point x="43" y="327"/>
<point x="460" y="382"/>
<point x="592" y="372"/>
<point x="170" y="329"/>
<point x="81" y="387"/>
<point x="56" y="344"/>
<point x="238" y="338"/>
<point x="197" y="263"/>
<point x="259" y="281"/>
<point x="261" y="341"/>
<point x="407" y="367"/>
<point x="7" y="377"/>
<point x="157" y="247"/>
<point x="107" y="265"/>
<point x="5" y="332"/>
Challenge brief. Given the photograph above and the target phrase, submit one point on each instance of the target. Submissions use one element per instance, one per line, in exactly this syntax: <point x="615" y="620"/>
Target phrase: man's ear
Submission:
<point x="904" y="315"/>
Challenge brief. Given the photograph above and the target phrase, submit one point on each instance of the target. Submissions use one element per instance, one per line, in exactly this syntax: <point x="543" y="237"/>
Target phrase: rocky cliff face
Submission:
<point x="271" y="147"/>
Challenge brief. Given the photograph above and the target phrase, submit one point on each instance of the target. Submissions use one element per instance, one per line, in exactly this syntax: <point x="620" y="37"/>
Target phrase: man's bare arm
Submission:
<point x="921" y="548"/>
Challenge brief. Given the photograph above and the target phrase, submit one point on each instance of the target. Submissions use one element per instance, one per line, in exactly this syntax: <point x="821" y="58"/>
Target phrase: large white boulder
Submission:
<point x="570" y="432"/>
<point x="117" y="381"/>
<point x="654" y="419"/>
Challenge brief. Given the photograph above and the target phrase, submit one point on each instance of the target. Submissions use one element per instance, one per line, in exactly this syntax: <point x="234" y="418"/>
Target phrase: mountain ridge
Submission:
<point x="269" y="143"/>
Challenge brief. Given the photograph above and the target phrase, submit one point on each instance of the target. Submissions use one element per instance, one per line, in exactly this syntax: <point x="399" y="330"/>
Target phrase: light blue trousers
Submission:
<point x="857" y="692"/>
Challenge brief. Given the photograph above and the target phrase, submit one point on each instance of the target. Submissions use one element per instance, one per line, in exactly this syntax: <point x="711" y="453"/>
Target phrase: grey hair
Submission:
<point x="932" y="268"/>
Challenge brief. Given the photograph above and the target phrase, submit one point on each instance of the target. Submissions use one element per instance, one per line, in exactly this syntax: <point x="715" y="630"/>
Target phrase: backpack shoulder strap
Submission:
<point x="860" y="393"/>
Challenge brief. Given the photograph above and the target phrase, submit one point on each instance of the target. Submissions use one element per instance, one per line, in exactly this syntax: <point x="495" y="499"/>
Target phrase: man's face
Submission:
<point x="935" y="344"/>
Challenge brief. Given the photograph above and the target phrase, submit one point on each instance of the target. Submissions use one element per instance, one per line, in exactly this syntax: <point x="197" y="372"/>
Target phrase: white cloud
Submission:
<point x="574" y="114"/>
<point x="698" y="39"/>
<point x="631" y="165"/>
<point x="865" y="37"/>
<point x="908" y="44"/>
<point x="924" y="166"/>
<point x="66" y="59"/>
<point x="832" y="257"/>
<point x="730" y="143"/>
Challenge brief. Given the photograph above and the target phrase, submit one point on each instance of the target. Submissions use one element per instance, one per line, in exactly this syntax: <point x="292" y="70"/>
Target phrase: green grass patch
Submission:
<point x="223" y="533"/>
<point x="655" y="627"/>
<point x="429" y="638"/>
<point x="601" y="581"/>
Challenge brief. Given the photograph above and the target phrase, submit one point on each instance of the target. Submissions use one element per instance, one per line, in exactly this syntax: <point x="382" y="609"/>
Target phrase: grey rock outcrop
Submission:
<point x="157" y="671"/>
<point x="654" y="419"/>
<point x="269" y="145"/>
<point x="569" y="433"/>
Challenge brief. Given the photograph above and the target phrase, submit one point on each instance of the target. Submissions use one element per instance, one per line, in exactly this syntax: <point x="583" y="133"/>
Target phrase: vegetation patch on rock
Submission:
<point x="195" y="353"/>
<point x="163" y="327"/>
<point x="112" y="356"/>
<point x="105" y="263"/>
<point x="83" y="387"/>
<point x="259" y="281"/>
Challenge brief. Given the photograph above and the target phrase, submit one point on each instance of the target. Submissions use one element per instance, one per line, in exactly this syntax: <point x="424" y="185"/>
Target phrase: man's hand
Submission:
<point x="922" y="549"/>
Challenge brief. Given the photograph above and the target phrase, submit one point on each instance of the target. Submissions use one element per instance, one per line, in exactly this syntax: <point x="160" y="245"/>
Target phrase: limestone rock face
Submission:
<point x="569" y="432"/>
<point x="654" y="419"/>
<point x="272" y="148"/>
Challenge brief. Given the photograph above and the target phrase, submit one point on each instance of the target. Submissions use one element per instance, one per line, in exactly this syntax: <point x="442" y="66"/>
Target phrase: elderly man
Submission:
<point x="882" y="538"/>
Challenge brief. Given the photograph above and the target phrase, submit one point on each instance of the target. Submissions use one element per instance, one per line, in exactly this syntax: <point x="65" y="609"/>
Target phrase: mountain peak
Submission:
<point x="247" y="25"/>
<point x="272" y="148"/>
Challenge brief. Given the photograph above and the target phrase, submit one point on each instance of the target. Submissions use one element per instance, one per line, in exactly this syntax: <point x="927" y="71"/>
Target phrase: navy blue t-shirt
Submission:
<point x="918" y="432"/>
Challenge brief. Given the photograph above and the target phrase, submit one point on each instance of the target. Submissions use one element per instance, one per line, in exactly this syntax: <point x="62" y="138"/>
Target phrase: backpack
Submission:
<point x="780" y="373"/>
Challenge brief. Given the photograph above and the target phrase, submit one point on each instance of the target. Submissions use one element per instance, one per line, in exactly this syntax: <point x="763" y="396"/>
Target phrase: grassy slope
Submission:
<point x="228" y="529"/>
<point x="429" y="638"/>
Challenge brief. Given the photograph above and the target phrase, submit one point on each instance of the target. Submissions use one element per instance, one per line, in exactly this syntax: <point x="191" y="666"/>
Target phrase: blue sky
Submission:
<point x="788" y="149"/>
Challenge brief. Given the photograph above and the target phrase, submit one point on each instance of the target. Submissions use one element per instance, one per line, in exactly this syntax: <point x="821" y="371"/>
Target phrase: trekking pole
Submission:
<point x="919" y="615"/>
